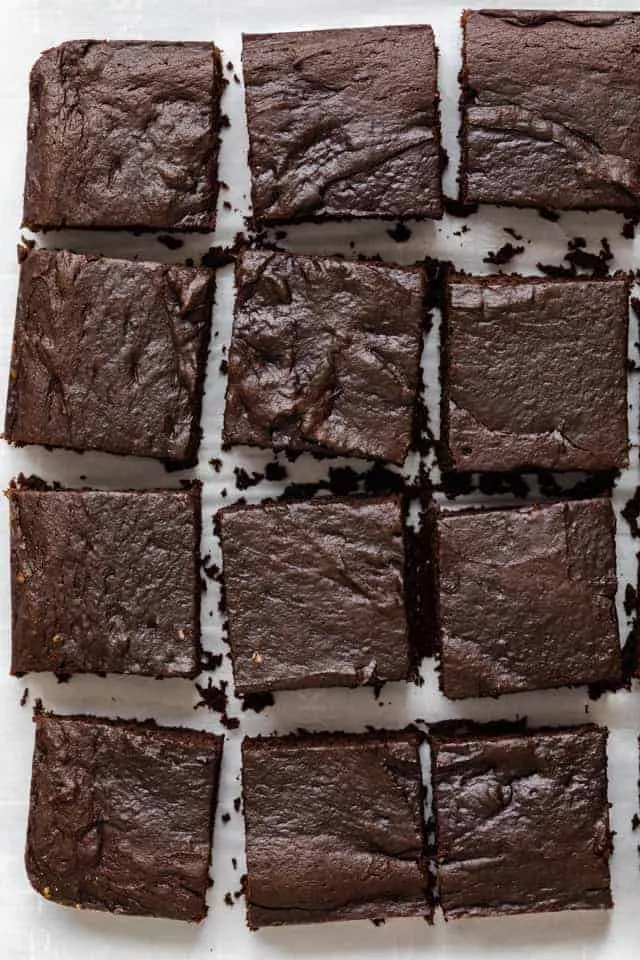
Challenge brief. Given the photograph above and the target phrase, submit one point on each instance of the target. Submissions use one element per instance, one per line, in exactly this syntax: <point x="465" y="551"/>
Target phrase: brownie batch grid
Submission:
<point x="110" y="355"/>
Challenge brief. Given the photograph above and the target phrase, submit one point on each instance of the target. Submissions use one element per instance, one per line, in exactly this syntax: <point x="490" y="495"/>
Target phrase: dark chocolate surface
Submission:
<point x="522" y="822"/>
<point x="109" y="355"/>
<point x="534" y="374"/>
<point x="325" y="355"/>
<point x="343" y="123"/>
<point x="315" y="593"/>
<point x="526" y="598"/>
<point x="106" y="581"/>
<point x="334" y="828"/>
<point x="124" y="135"/>
<point x="122" y="815"/>
<point x="550" y="106"/>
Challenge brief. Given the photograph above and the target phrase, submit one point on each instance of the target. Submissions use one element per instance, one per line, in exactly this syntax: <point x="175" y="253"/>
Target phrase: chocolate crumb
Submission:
<point x="631" y="512"/>
<point x="455" y="208"/>
<point x="213" y="697"/>
<point x="506" y="253"/>
<point x="635" y="821"/>
<point x="378" y="921"/>
<point x="169" y="241"/>
<point x="630" y="600"/>
<point x="226" y="817"/>
<point x="513" y="233"/>
<point x="234" y="863"/>
<point x="244" y="479"/>
<point x="552" y="215"/>
<point x="257" y="701"/>
<point x="237" y="803"/>
<point x="400" y="233"/>
<point x="216" y="463"/>
<point x="24" y="697"/>
<point x="224" y="367"/>
<point x="228" y="899"/>
<point x="275" y="471"/>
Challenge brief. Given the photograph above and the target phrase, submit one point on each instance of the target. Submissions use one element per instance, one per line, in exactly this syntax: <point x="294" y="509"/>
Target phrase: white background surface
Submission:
<point x="29" y="926"/>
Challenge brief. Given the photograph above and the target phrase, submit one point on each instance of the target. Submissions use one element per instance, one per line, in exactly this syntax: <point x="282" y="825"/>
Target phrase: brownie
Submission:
<point x="106" y="581"/>
<point x="534" y="373"/>
<point x="109" y="355"/>
<point x="334" y="828"/>
<point x="121" y="815"/>
<point x="343" y="124"/>
<point x="522" y="821"/>
<point x="335" y="566"/>
<point x="325" y="355"/>
<point x="124" y="135"/>
<point x="526" y="598"/>
<point x="550" y="101"/>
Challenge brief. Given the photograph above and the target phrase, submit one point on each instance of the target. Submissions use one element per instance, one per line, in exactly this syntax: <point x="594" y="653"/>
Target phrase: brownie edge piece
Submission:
<point x="325" y="355"/>
<point x="124" y="135"/>
<point x="343" y="124"/>
<point x="109" y="355"/>
<point x="121" y="815"/>
<point x="334" y="827"/>
<point x="522" y="821"/>
<point x="538" y="127"/>
<point x="105" y="581"/>
<point x="557" y="349"/>
<point x="526" y="598"/>
<point x="334" y="565"/>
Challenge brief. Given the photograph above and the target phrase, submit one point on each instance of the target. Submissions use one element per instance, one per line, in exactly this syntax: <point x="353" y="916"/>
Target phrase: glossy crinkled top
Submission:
<point x="343" y="123"/>
<point x="550" y="108"/>
<point x="325" y="355"/>
<point x="124" y="135"/>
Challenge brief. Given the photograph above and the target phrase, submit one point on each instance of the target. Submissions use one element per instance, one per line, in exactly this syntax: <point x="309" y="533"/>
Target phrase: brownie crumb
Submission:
<point x="275" y="471"/>
<point x="234" y="863"/>
<point x="280" y="234"/>
<point x="237" y="803"/>
<point x="24" y="697"/>
<point x="229" y="65"/>
<point x="506" y="253"/>
<point x="556" y="270"/>
<point x="629" y="228"/>
<point x="225" y="123"/>
<point x="513" y="233"/>
<point x="236" y="78"/>
<point x="378" y="922"/>
<point x="257" y="701"/>
<point x="217" y="256"/>
<point x="244" y="479"/>
<point x="226" y="817"/>
<point x="630" y="600"/>
<point x="635" y="821"/>
<point x="381" y="480"/>
<point x="228" y="899"/>
<point x="400" y="233"/>
<point x="213" y="697"/>
<point x="597" y="264"/>
<point x="212" y="570"/>
<point x="169" y="241"/>
<point x="631" y="513"/>
<point x="344" y="480"/>
<point x="210" y="661"/>
<point x="224" y="367"/>
<point x="552" y="215"/>
<point x="455" y="208"/>
<point x="216" y="463"/>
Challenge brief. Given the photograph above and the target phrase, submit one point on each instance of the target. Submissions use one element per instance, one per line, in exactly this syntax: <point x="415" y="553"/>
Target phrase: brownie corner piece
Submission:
<point x="105" y="581"/>
<point x="124" y="135"/>
<point x="522" y="821"/>
<point x="526" y="598"/>
<point x="325" y="355"/>
<point x="343" y="124"/>
<point x="537" y="127"/>
<point x="334" y="828"/>
<point x="558" y="350"/>
<point x="121" y="815"/>
<point x="109" y="354"/>
<point x="337" y="563"/>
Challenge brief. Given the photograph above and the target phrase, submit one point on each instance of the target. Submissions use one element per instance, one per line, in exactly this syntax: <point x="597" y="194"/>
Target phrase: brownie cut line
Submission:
<point x="109" y="355"/>
<point x="526" y="598"/>
<point x="522" y="821"/>
<point x="538" y="125"/>
<point x="105" y="581"/>
<point x="124" y="135"/>
<point x="325" y="355"/>
<point x="343" y="124"/>
<point x="334" y="827"/>
<point x="121" y="815"/>
<point x="315" y="593"/>
<point x="534" y="374"/>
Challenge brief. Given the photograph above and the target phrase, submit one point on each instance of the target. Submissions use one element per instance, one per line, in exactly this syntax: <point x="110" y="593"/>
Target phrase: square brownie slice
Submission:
<point x="334" y="827"/>
<point x="124" y="135"/>
<point x="325" y="355"/>
<point x="315" y="593"/>
<point x="550" y="101"/>
<point x="522" y="821"/>
<point x="121" y="815"/>
<point x="109" y="355"/>
<point x="343" y="124"/>
<point x="105" y="581"/>
<point x="534" y="374"/>
<point x="526" y="598"/>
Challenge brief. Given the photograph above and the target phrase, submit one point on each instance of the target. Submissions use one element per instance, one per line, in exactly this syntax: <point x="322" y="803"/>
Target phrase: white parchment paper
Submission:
<point x="34" y="929"/>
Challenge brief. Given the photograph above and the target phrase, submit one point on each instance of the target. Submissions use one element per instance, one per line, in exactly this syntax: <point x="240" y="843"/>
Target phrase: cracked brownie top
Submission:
<point x="550" y="103"/>
<point x="343" y="124"/>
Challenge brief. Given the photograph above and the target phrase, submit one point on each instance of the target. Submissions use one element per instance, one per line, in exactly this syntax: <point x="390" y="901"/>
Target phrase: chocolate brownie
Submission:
<point x="109" y="355"/>
<point x="343" y="124"/>
<point x="526" y="598"/>
<point x="325" y="355"/>
<point x="334" y="828"/>
<point x="550" y="101"/>
<point x="334" y="566"/>
<point x="534" y="373"/>
<point x="106" y="581"/>
<point x="522" y="821"/>
<point x="124" y="135"/>
<point x="121" y="815"/>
